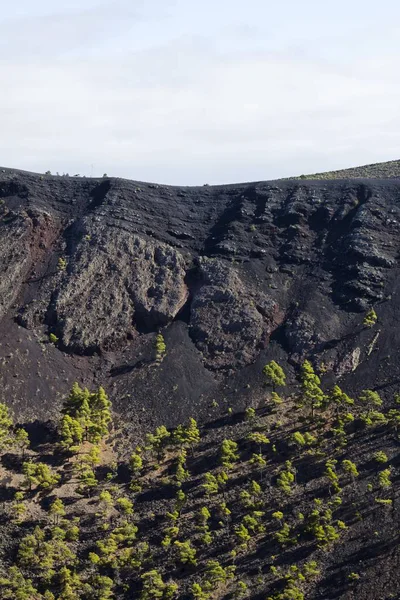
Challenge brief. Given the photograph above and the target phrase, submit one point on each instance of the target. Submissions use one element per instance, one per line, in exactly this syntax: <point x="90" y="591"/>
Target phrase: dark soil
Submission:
<point x="232" y="276"/>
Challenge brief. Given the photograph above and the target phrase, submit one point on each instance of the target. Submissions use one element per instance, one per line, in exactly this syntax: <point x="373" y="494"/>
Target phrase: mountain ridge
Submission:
<point x="380" y="170"/>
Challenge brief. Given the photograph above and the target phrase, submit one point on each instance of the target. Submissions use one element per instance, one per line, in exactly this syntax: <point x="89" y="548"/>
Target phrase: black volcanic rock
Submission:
<point x="245" y="272"/>
<point x="116" y="280"/>
<point x="229" y="322"/>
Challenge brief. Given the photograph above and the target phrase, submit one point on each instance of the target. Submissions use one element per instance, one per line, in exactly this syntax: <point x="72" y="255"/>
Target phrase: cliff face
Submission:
<point x="232" y="275"/>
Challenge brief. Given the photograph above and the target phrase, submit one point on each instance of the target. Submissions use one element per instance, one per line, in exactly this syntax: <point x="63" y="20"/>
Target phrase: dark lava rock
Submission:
<point x="226" y="323"/>
<point x="118" y="281"/>
<point x="246" y="272"/>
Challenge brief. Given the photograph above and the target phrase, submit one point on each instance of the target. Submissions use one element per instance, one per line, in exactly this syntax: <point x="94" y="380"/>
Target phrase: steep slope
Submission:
<point x="91" y="271"/>
<point x="231" y="275"/>
<point x="274" y="503"/>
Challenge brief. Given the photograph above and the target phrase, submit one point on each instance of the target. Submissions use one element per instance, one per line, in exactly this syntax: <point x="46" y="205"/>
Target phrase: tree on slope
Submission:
<point x="274" y="375"/>
<point x="313" y="396"/>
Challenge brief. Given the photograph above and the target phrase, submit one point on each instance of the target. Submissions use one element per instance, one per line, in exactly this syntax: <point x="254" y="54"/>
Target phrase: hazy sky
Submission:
<point x="190" y="91"/>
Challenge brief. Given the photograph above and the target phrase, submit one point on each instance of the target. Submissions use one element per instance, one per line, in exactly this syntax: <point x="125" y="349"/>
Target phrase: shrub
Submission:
<point x="61" y="264"/>
<point x="161" y="348"/>
<point x="384" y="479"/>
<point x="186" y="552"/>
<point x="370" y="318"/>
<point x="380" y="457"/>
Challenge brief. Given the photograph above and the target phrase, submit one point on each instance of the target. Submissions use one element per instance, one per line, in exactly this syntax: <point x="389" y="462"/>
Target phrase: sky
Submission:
<point x="187" y="92"/>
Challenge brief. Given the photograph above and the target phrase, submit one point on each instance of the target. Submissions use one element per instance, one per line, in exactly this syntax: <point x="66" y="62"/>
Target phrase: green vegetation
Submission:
<point x="274" y="374"/>
<point x="374" y="171"/>
<point x="313" y="396"/>
<point x="161" y="348"/>
<point x="370" y="318"/>
<point x="62" y="264"/>
<point x="183" y="514"/>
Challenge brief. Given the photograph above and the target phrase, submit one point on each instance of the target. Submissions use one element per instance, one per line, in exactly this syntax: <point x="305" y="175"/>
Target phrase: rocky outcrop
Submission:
<point x="229" y="322"/>
<point x="25" y="237"/>
<point x="366" y="252"/>
<point x="117" y="284"/>
<point x="15" y="259"/>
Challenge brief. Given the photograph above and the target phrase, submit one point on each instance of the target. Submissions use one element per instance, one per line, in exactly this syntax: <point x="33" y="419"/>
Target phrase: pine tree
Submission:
<point x="258" y="438"/>
<point x="380" y="456"/>
<point x="384" y="479"/>
<point x="278" y="515"/>
<point x="73" y="402"/>
<point x="198" y="593"/>
<point x="61" y="264"/>
<point x="339" y="399"/>
<point x="276" y="399"/>
<point x="255" y="490"/>
<point x="259" y="461"/>
<point x="186" y="552"/>
<point x="161" y="348"/>
<point x="351" y="469"/>
<point x="71" y="433"/>
<point x="125" y="506"/>
<point x="39" y="474"/>
<point x="203" y="515"/>
<point x="187" y="436"/>
<point x="158" y="441"/>
<point x="16" y="587"/>
<point x="100" y="415"/>
<point x="370" y="399"/>
<point x="83" y="414"/>
<point x="192" y="433"/>
<point x="228" y="453"/>
<point x="274" y="375"/>
<point x="181" y="474"/>
<point x="283" y="536"/>
<point x="70" y="585"/>
<point x="154" y="588"/>
<point x="331" y="474"/>
<point x="313" y="396"/>
<point x="242" y="534"/>
<point x="18" y="508"/>
<point x="29" y="470"/>
<point x="250" y="414"/>
<point x="215" y="574"/>
<point x="86" y="416"/>
<point x="57" y="510"/>
<point x="6" y="424"/>
<point x="302" y="440"/>
<point x="136" y="464"/>
<point x="21" y="440"/>
<point x="87" y="480"/>
<point x="370" y="318"/>
<point x="92" y="457"/>
<point x="102" y="587"/>
<point x="286" y="478"/>
<point x="210" y="485"/>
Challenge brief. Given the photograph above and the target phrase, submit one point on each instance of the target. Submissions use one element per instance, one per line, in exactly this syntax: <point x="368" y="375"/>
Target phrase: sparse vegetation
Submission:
<point x="374" y="171"/>
<point x="81" y="529"/>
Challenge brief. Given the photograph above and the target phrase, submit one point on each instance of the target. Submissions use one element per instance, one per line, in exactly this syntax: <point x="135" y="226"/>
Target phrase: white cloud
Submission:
<point x="139" y="98"/>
